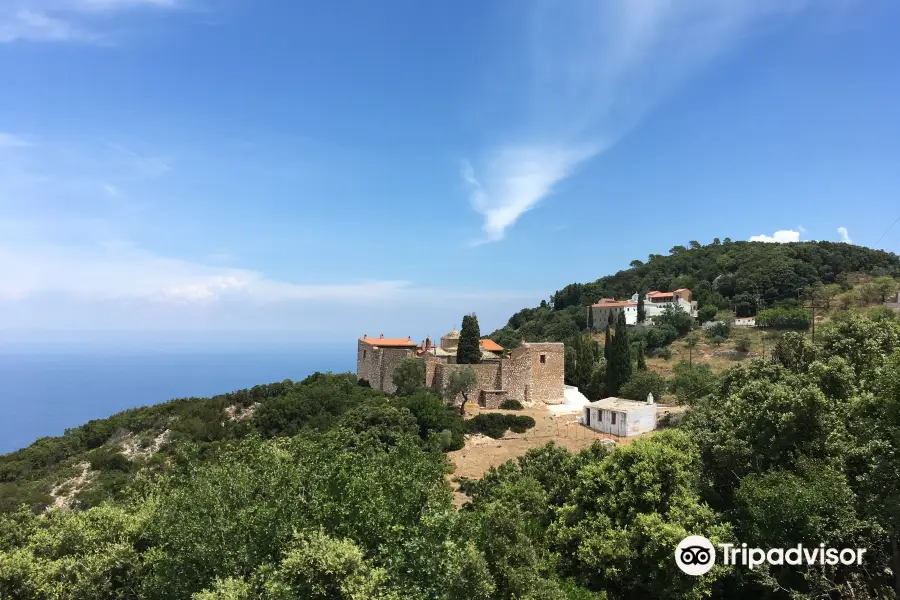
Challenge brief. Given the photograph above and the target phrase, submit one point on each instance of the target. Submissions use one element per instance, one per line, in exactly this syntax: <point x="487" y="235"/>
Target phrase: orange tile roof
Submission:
<point x="612" y="304"/>
<point x="491" y="346"/>
<point x="682" y="290"/>
<point x="660" y="294"/>
<point x="390" y="342"/>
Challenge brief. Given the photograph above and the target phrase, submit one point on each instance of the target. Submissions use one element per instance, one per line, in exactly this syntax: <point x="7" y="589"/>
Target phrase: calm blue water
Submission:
<point x="43" y="394"/>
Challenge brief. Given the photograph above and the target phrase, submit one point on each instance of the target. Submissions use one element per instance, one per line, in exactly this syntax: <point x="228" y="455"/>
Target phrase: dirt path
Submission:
<point x="481" y="453"/>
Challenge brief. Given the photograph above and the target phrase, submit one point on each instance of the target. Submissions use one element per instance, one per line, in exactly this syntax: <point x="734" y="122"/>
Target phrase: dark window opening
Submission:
<point x="612" y="419"/>
<point x="543" y="358"/>
<point x="364" y="353"/>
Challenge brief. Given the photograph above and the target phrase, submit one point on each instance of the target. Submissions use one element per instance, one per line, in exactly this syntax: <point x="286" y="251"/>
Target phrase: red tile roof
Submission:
<point x="390" y="342"/>
<point x="491" y="346"/>
<point x="660" y="294"/>
<point x="612" y="304"/>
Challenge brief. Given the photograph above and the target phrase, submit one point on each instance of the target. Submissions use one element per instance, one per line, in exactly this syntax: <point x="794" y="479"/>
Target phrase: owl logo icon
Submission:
<point x="695" y="555"/>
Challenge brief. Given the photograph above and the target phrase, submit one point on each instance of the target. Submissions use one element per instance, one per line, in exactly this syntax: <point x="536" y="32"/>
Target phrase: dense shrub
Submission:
<point x="436" y="417"/>
<point x="691" y="383"/>
<point x="720" y="329"/>
<point x="495" y="424"/>
<point x="784" y="318"/>
<point x="642" y="383"/>
<point x="511" y="404"/>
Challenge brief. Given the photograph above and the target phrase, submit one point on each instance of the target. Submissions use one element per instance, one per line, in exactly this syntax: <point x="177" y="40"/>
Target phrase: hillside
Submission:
<point x="738" y="276"/>
<point x="325" y="489"/>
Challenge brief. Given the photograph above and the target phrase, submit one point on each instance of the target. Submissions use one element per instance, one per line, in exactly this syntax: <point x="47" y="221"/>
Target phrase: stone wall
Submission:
<point x="487" y="377"/>
<point x="376" y="365"/>
<point x="547" y="373"/>
<point x="522" y="376"/>
<point x="491" y="398"/>
<point x="390" y="360"/>
<point x="368" y="363"/>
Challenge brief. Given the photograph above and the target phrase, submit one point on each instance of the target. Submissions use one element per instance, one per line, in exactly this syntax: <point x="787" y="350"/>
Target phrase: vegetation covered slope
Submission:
<point x="740" y="276"/>
<point x="338" y="492"/>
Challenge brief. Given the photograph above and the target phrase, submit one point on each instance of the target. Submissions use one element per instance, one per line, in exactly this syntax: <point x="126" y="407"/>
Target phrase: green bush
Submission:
<point x="690" y="384"/>
<point x="642" y="383"/>
<point x="742" y="342"/>
<point x="718" y="329"/>
<point x="511" y="404"/>
<point x="494" y="425"/>
<point x="785" y="318"/>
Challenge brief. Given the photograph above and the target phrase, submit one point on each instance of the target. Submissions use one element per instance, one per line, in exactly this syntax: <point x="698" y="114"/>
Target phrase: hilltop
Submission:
<point x="737" y="276"/>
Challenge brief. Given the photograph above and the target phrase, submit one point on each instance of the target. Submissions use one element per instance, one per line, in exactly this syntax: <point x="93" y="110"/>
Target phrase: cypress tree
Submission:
<point x="641" y="311"/>
<point x="641" y="363"/>
<point x="590" y="319"/>
<point x="607" y="343"/>
<point x="618" y="369"/>
<point x="469" y="350"/>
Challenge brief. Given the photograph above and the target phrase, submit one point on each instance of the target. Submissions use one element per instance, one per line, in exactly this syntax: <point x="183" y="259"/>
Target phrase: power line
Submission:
<point x="886" y="231"/>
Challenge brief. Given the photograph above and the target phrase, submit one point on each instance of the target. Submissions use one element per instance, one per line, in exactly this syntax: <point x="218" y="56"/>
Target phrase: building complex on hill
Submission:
<point x="530" y="373"/>
<point x="655" y="303"/>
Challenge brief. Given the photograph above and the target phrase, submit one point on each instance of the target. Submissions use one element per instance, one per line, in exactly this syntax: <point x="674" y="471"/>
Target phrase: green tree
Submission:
<point x="461" y="382"/>
<point x="619" y="366"/>
<point x="742" y="342"/>
<point x="607" y="342"/>
<point x="582" y="355"/>
<point x="641" y="362"/>
<point x="690" y="383"/>
<point x="676" y="317"/>
<point x="627" y="511"/>
<point x="707" y="313"/>
<point x="469" y="350"/>
<point x="886" y="287"/>
<point x="641" y="311"/>
<point x="590" y="318"/>
<point x="409" y="376"/>
<point x="642" y="383"/>
<point x="876" y="458"/>
<point x="691" y="342"/>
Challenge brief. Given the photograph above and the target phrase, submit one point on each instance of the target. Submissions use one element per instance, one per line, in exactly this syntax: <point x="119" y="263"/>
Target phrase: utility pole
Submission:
<point x="813" y="307"/>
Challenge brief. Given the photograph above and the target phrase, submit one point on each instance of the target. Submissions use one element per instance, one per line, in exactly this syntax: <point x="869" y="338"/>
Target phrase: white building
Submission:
<point x="654" y="305"/>
<point x="619" y="417"/>
<point x="656" y="302"/>
<point x="745" y="322"/>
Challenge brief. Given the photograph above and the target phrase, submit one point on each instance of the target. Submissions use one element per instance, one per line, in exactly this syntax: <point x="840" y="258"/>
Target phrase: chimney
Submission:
<point x="381" y="337"/>
<point x="365" y="337"/>
<point x="650" y="398"/>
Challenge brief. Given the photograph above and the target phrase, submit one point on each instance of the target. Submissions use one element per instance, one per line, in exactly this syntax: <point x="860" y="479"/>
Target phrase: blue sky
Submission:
<point x="236" y="170"/>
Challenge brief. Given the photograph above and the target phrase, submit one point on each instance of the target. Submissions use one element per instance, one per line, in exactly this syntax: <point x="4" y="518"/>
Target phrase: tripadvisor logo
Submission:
<point x="696" y="555"/>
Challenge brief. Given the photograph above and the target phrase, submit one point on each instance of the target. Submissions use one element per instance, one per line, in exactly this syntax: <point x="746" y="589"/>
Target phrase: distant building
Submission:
<point x="654" y="304"/>
<point x="608" y="307"/>
<point x="620" y="417"/>
<point x="530" y="373"/>
<point x="745" y="322"/>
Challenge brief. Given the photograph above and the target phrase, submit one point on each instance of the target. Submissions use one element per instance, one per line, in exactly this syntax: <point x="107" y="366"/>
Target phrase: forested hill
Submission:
<point x="732" y="275"/>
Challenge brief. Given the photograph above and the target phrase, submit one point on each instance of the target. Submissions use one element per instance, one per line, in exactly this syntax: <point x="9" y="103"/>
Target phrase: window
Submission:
<point x="364" y="353"/>
<point x="612" y="420"/>
<point x="543" y="358"/>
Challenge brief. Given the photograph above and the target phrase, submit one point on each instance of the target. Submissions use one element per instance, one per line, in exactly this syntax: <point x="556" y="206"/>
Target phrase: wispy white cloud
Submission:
<point x="9" y="140"/>
<point x="67" y="20"/>
<point x="782" y="236"/>
<point x="596" y="69"/>
<point x="845" y="235"/>
<point x="518" y="179"/>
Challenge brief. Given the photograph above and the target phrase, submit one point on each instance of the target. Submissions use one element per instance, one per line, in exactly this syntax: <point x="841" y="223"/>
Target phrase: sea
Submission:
<point x="44" y="393"/>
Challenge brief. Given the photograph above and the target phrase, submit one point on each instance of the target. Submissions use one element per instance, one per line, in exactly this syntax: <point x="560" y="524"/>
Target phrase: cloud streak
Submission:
<point x="596" y="68"/>
<point x="67" y="20"/>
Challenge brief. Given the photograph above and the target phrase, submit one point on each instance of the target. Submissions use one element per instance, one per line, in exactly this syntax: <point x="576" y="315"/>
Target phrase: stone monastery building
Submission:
<point x="530" y="373"/>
